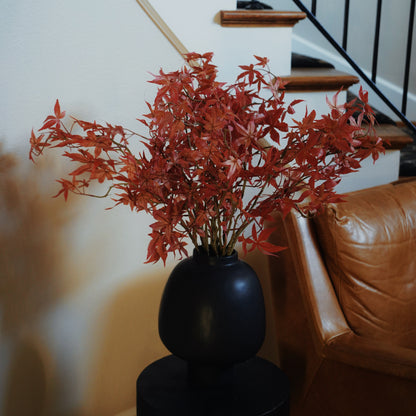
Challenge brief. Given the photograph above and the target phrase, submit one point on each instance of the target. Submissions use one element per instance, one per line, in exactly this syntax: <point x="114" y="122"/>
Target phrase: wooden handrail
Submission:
<point x="163" y="27"/>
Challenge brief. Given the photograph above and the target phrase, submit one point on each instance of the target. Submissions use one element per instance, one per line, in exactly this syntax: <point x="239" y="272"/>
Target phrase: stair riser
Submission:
<point x="314" y="101"/>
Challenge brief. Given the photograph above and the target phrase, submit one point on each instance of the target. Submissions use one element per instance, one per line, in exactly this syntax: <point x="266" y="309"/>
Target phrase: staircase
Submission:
<point x="309" y="77"/>
<point x="236" y="35"/>
<point x="310" y="74"/>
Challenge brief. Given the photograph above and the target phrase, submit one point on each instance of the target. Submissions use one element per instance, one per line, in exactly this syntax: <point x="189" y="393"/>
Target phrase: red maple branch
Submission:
<point x="218" y="157"/>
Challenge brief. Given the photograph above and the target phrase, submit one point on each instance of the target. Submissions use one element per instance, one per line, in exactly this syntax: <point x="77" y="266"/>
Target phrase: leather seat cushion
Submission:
<point x="369" y="246"/>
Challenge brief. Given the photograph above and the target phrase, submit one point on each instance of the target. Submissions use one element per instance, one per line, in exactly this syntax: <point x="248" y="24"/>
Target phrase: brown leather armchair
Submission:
<point x="344" y="297"/>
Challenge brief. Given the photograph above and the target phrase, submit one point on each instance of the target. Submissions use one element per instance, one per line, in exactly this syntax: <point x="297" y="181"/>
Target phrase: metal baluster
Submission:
<point x="314" y="7"/>
<point x="376" y="41"/>
<point x="408" y="56"/>
<point x="346" y="19"/>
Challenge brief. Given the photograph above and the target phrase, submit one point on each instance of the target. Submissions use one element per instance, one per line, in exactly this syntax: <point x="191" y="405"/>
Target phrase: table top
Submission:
<point x="258" y="388"/>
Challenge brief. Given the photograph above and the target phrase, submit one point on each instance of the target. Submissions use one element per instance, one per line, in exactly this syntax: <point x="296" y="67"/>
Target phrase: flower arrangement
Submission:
<point x="219" y="158"/>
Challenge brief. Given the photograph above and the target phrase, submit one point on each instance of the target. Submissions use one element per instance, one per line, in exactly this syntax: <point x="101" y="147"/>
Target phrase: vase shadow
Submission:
<point x="259" y="263"/>
<point x="128" y="341"/>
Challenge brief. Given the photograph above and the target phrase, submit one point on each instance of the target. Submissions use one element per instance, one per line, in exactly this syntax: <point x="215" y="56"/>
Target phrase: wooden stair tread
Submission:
<point x="260" y="18"/>
<point x="318" y="79"/>
<point x="396" y="137"/>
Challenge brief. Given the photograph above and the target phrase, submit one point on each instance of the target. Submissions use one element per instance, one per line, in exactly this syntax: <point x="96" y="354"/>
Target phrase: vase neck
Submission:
<point x="210" y="258"/>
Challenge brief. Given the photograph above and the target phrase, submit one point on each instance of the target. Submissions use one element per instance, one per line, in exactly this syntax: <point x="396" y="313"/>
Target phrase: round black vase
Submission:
<point x="212" y="315"/>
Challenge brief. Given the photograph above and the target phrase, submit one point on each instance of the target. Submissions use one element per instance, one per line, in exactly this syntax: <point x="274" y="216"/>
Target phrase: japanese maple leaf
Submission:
<point x="260" y="242"/>
<point x="54" y="120"/>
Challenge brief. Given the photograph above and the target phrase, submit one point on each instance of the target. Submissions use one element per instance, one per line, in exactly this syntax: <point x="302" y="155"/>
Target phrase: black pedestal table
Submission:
<point x="256" y="388"/>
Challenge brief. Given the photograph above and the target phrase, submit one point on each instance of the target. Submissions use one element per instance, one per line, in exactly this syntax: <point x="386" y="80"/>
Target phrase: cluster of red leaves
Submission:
<point x="218" y="157"/>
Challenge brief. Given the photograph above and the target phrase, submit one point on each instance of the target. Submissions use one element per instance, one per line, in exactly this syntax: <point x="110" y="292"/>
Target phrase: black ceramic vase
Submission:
<point x="212" y="315"/>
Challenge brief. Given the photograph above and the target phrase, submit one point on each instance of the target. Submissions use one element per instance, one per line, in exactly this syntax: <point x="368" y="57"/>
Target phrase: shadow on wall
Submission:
<point x="127" y="342"/>
<point x="28" y="385"/>
<point x="260" y="263"/>
<point x="32" y="279"/>
<point x="32" y="245"/>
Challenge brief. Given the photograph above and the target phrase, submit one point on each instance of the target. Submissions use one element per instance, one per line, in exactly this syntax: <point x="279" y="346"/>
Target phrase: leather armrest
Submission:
<point x="322" y="306"/>
<point x="330" y="331"/>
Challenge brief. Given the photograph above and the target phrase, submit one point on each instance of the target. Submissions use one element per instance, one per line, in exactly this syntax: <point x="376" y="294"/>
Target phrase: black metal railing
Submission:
<point x="342" y="49"/>
<point x="408" y="54"/>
